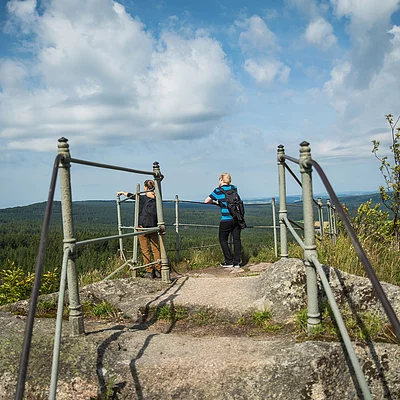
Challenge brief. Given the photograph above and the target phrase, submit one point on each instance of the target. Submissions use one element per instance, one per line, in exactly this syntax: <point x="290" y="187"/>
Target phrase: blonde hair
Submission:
<point x="226" y="178"/>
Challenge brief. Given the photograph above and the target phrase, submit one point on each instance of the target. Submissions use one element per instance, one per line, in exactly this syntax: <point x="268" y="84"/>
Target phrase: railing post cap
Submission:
<point x="304" y="143"/>
<point x="156" y="164"/>
<point x="63" y="145"/>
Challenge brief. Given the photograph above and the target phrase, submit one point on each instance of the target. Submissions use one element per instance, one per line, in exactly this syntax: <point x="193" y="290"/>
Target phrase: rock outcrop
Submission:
<point x="127" y="360"/>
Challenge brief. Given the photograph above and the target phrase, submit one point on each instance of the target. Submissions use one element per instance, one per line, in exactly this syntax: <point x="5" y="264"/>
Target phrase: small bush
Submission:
<point x="16" y="285"/>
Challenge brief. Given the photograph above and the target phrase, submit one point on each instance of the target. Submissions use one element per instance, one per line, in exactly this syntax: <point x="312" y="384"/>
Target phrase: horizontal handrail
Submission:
<point x="268" y="203"/>
<point x="143" y="231"/>
<point x="360" y="252"/>
<point x="108" y="166"/>
<point x="286" y="157"/>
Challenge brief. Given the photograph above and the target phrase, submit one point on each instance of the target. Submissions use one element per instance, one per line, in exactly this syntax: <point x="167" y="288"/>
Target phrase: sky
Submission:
<point x="201" y="87"/>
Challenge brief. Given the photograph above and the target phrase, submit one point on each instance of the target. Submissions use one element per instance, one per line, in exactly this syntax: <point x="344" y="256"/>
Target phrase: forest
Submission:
<point x="20" y="230"/>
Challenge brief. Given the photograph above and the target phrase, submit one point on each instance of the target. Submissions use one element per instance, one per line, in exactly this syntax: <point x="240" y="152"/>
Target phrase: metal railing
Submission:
<point x="178" y="223"/>
<point x="69" y="269"/>
<point x="313" y="266"/>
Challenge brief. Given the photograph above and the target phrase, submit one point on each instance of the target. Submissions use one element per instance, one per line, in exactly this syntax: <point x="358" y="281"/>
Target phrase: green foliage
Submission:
<point x="16" y="285"/>
<point x="169" y="313"/>
<point x="360" y="326"/>
<point x="260" y="318"/>
<point x="341" y="254"/>
<point x="263" y="319"/>
<point x="373" y="223"/>
<point x="390" y="170"/>
<point x="103" y="310"/>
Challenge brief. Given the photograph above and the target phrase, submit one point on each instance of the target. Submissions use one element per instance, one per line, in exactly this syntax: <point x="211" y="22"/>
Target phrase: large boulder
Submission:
<point x="284" y="286"/>
<point x="130" y="360"/>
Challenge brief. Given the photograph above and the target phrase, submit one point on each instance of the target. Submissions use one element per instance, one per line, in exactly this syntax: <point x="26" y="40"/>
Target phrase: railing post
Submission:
<point x="282" y="202"/>
<point x="135" y="229"/>
<point x="320" y="217"/>
<point x="165" y="273"/>
<point x="121" y="244"/>
<point x="75" y="308"/>
<point x="273" y="205"/>
<point x="334" y="215"/>
<point x="177" y="255"/>
<point x="310" y="248"/>
<point x="330" y="219"/>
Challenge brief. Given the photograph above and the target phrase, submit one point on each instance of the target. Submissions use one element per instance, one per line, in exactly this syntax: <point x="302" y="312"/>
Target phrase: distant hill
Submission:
<point x="105" y="211"/>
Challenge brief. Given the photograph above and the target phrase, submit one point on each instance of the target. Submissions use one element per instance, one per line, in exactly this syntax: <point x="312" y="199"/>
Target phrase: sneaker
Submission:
<point x="226" y="265"/>
<point x="149" y="275"/>
<point x="236" y="265"/>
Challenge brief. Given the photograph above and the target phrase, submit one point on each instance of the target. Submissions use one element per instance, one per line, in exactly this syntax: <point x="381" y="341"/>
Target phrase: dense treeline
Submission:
<point x="20" y="230"/>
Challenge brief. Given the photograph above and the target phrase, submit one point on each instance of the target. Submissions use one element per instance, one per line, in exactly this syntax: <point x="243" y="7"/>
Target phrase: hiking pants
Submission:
<point x="147" y="241"/>
<point x="226" y="228"/>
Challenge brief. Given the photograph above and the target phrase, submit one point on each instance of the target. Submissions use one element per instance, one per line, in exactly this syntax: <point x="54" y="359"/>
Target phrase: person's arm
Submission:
<point x="209" y="200"/>
<point x="126" y="194"/>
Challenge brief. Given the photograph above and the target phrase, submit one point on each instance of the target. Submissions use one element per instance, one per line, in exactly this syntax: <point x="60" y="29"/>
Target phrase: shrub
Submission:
<point x="17" y="285"/>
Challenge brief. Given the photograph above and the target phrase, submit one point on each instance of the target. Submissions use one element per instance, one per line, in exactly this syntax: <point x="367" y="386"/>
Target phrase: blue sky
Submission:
<point x="201" y="87"/>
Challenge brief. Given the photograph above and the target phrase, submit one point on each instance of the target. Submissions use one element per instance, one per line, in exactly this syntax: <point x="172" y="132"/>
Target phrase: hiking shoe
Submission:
<point x="158" y="273"/>
<point x="149" y="275"/>
<point x="226" y="265"/>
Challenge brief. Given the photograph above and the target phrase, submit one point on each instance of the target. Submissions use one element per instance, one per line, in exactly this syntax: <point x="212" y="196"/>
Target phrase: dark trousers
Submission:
<point x="226" y="228"/>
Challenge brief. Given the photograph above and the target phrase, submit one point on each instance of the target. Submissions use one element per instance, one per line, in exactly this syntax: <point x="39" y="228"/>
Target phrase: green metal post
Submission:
<point x="75" y="314"/>
<point x="330" y="219"/>
<point x="320" y="217"/>
<point x="334" y="221"/>
<point x="135" y="226"/>
<point x="282" y="202"/>
<point x="310" y="248"/>
<point x="165" y="272"/>
<point x="273" y="205"/>
<point x="177" y="255"/>
<point x="121" y="244"/>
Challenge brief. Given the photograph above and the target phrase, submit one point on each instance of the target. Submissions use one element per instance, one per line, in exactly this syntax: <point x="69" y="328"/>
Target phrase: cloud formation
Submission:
<point x="367" y="27"/>
<point x="95" y="72"/>
<point x="267" y="71"/>
<point x="256" y="37"/>
<point x="319" y="33"/>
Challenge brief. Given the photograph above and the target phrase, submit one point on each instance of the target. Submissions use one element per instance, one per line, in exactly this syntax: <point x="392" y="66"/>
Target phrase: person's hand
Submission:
<point x="120" y="193"/>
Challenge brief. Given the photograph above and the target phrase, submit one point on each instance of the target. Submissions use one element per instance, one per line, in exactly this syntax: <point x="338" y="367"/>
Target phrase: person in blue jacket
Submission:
<point x="228" y="225"/>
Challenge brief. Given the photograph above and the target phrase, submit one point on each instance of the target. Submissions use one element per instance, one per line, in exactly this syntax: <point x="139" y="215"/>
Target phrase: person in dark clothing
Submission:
<point x="228" y="225"/>
<point x="147" y="219"/>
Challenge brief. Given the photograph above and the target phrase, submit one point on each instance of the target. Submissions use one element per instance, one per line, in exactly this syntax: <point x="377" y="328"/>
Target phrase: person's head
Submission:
<point x="224" y="179"/>
<point x="149" y="184"/>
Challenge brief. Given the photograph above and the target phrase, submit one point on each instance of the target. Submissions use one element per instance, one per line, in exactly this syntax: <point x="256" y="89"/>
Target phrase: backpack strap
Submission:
<point x="224" y="191"/>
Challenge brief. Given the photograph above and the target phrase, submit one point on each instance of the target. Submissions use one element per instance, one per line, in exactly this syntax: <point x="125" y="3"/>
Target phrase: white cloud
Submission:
<point x="22" y="16"/>
<point x="366" y="12"/>
<point x="362" y="110"/>
<point x="266" y="71"/>
<point x="368" y="25"/>
<point x="319" y="33"/>
<point x="97" y="73"/>
<point x="257" y="36"/>
<point x="12" y="74"/>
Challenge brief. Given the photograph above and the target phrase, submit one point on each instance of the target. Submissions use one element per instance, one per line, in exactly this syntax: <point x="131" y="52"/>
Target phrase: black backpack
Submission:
<point x="148" y="213"/>
<point x="235" y="205"/>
